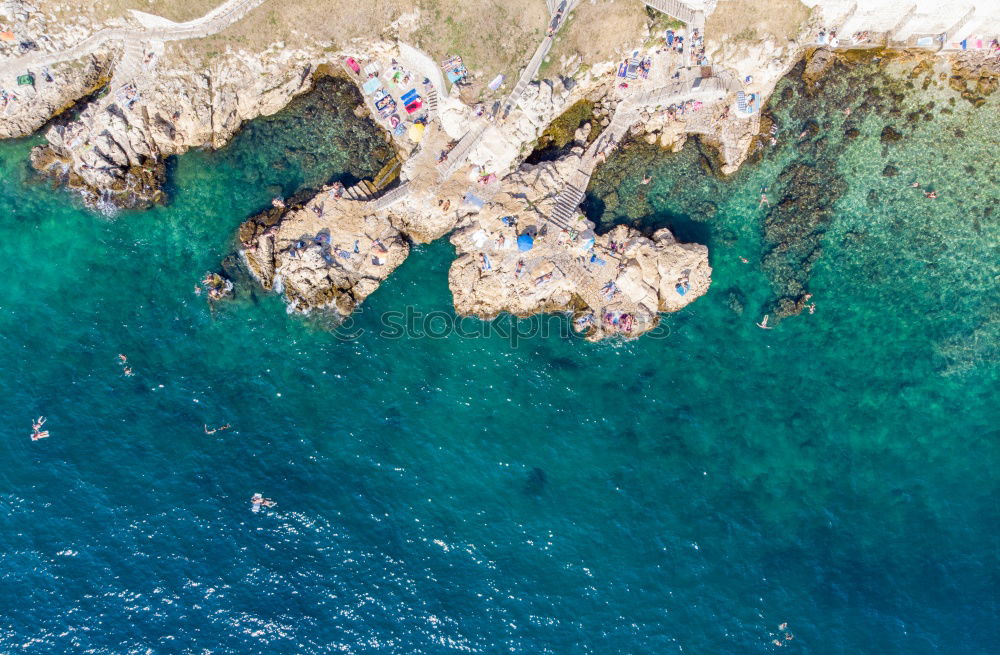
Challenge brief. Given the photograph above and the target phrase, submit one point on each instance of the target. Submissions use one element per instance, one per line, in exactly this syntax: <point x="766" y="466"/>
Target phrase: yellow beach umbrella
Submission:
<point x="416" y="132"/>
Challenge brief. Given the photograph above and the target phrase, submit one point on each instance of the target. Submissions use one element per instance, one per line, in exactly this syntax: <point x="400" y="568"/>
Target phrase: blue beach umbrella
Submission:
<point x="525" y="242"/>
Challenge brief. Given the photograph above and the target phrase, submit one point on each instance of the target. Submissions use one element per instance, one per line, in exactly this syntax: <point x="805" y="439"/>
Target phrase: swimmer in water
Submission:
<point x="930" y="194"/>
<point x="763" y="324"/>
<point x="915" y="185"/>
<point x="259" y="501"/>
<point x="122" y="358"/>
<point x="129" y="372"/>
<point x="37" y="424"/>
<point x="647" y="180"/>
<point x="44" y="434"/>
<point x="744" y="260"/>
<point x="763" y="200"/>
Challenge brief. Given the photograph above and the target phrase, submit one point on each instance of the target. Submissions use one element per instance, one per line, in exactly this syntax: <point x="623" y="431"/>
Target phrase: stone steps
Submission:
<point x="432" y="104"/>
<point x="386" y="200"/>
<point x="362" y="191"/>
<point x="674" y="9"/>
<point x="458" y="154"/>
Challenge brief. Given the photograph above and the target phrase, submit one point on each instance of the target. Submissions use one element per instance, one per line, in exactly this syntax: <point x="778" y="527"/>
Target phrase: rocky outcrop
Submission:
<point x="113" y="152"/>
<point x="330" y="253"/>
<point x="54" y="90"/>
<point x="975" y="75"/>
<point x="512" y="259"/>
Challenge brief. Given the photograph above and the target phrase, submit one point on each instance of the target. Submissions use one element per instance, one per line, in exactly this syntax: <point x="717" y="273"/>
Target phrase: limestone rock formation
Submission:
<point x="114" y="150"/>
<point x="511" y="258"/>
<point x="330" y="253"/>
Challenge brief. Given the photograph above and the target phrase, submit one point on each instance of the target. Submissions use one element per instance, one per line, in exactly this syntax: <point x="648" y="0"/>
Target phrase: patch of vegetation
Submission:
<point x="560" y="132"/>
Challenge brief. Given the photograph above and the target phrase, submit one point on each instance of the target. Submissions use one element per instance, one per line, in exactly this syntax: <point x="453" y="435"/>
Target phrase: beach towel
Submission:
<point x="371" y="86"/>
<point x="741" y="101"/>
<point x="409" y="97"/>
<point x="410" y="108"/>
<point x="495" y="84"/>
<point x="633" y="69"/>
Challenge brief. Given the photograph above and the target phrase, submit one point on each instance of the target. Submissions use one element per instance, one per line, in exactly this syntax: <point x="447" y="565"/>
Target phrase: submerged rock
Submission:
<point x="890" y="134"/>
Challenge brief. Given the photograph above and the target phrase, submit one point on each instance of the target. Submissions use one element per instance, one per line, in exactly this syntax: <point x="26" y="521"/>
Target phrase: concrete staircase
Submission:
<point x="129" y="65"/>
<point x="432" y="104"/>
<point x="363" y="191"/>
<point x="458" y="154"/>
<point x="682" y="11"/>
<point x="389" y="199"/>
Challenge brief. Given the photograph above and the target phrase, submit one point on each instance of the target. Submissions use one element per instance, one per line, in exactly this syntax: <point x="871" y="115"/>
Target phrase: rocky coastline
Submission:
<point x="332" y="250"/>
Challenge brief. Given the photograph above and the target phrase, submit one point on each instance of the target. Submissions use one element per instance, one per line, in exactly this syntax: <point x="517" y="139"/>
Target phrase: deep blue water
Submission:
<point x="435" y="495"/>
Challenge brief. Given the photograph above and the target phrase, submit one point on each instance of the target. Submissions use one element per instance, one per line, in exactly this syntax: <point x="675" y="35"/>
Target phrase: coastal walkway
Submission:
<point x="472" y="138"/>
<point x="154" y="29"/>
<point x="627" y="114"/>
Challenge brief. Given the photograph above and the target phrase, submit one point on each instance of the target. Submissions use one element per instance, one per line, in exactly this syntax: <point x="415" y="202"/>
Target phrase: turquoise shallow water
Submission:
<point x="683" y="494"/>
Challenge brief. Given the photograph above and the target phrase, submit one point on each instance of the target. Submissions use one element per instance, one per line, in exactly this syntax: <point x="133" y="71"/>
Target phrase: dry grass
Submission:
<point x="175" y="10"/>
<point x="738" y="22"/>
<point x="492" y="36"/>
<point x="597" y="30"/>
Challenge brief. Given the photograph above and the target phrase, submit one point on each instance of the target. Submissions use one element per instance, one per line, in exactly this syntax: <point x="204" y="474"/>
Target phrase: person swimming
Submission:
<point x="647" y="179"/>
<point x="36" y="429"/>
<point x="257" y="501"/>
<point x="763" y="324"/>
<point x="129" y="372"/>
<point x="122" y="358"/>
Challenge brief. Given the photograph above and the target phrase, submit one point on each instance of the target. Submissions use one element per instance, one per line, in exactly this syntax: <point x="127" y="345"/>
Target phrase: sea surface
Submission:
<point x="502" y="491"/>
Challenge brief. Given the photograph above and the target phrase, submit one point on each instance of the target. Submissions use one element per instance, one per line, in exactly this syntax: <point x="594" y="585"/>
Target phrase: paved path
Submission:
<point x="472" y="138"/>
<point x="214" y="21"/>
